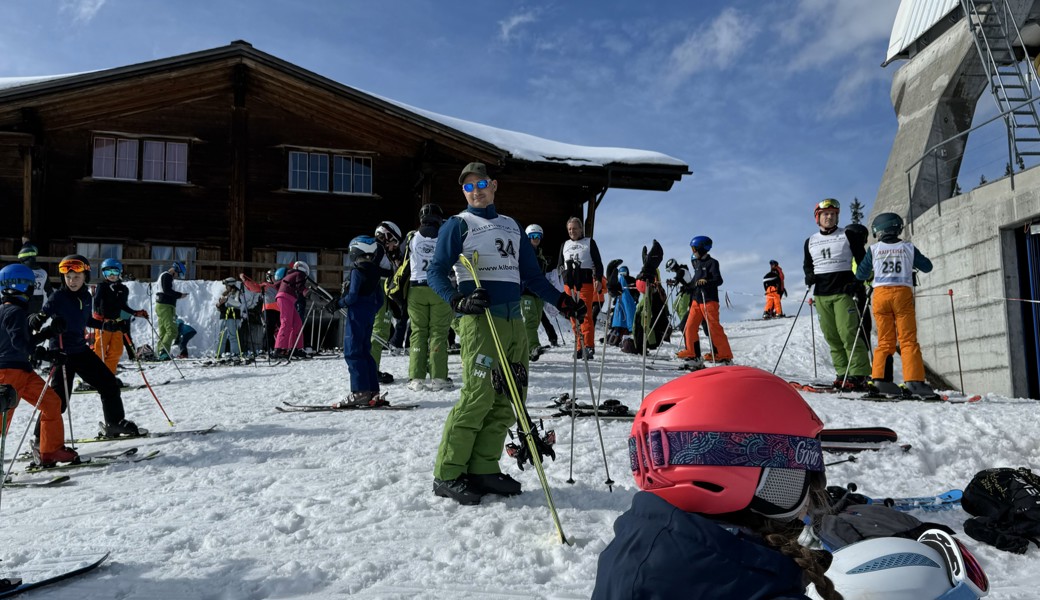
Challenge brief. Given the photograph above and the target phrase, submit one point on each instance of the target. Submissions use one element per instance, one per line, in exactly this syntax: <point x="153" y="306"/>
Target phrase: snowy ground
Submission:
<point x="332" y="505"/>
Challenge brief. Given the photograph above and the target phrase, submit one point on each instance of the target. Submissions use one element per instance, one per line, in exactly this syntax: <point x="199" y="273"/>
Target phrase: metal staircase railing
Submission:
<point x="1012" y="75"/>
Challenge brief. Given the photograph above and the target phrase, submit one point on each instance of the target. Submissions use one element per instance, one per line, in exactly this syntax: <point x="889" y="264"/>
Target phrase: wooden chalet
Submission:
<point x="231" y="158"/>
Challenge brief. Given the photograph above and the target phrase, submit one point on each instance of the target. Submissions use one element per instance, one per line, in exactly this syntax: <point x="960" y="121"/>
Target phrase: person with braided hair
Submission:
<point x="718" y="517"/>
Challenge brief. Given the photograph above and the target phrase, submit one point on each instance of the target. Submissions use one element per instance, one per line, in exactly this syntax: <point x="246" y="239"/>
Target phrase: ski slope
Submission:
<point x="337" y="505"/>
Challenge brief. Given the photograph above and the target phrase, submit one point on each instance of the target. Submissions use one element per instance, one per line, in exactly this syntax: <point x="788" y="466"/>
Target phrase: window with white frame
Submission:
<point x="288" y="257"/>
<point x="165" y="255"/>
<point x="309" y="172"/>
<point x="159" y="160"/>
<point x="97" y="252"/>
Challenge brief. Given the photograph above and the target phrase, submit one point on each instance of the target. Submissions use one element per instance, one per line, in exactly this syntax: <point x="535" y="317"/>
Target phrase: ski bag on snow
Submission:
<point x="1005" y="503"/>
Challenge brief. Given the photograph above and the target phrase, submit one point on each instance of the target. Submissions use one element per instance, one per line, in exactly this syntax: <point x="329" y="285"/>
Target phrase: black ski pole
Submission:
<point x="812" y="327"/>
<point x="791" y="330"/>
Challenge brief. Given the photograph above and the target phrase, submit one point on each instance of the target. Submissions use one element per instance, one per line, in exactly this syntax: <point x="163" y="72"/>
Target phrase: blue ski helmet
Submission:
<point x="279" y="273"/>
<point x="701" y="243"/>
<point x="17" y="280"/>
<point x="179" y="267"/>
<point x="111" y="266"/>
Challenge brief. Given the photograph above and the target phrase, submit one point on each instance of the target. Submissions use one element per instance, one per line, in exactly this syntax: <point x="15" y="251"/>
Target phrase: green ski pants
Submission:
<point x="430" y="317"/>
<point x="839" y="322"/>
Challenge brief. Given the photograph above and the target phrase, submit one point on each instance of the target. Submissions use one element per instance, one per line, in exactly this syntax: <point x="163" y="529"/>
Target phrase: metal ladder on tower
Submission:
<point x="1012" y="76"/>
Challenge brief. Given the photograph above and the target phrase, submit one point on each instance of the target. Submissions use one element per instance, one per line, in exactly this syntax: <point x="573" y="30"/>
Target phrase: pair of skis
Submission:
<point x="290" y="407"/>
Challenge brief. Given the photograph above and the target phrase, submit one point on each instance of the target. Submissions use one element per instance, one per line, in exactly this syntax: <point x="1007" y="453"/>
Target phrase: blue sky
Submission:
<point x="774" y="105"/>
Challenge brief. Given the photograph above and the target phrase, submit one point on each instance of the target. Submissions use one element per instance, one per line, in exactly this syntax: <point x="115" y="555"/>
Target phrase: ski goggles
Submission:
<point x="111" y="271"/>
<point x="966" y="575"/>
<point x="829" y="203"/>
<point x="479" y="185"/>
<point x="74" y="265"/>
<point x="534" y="236"/>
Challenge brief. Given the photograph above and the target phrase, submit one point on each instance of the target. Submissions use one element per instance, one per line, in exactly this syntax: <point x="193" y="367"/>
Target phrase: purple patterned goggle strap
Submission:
<point x="721" y="448"/>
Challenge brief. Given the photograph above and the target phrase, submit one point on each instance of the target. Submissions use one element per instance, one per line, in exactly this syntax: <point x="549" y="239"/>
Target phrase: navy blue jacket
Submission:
<point x="15" y="340"/>
<point x="660" y="551"/>
<point x="77" y="310"/>
<point x="706" y="268"/>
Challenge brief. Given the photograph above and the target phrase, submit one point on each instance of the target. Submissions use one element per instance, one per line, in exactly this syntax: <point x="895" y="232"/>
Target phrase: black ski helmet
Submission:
<point x="887" y="225"/>
<point x="431" y="214"/>
<point x="76" y="263"/>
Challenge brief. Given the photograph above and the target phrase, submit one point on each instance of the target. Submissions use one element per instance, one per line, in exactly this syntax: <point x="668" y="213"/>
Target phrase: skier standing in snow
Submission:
<point x="16" y="346"/>
<point x="705" y="307"/>
<point x="42" y="288"/>
<point x="71" y="303"/>
<point x="893" y="261"/>
<point x="582" y="271"/>
<point x="112" y="310"/>
<point x="725" y="525"/>
<point x="291" y="290"/>
<point x="268" y="290"/>
<point x="773" y="282"/>
<point x="388" y="257"/>
<point x="362" y="297"/>
<point x="166" y="308"/>
<point x="467" y="465"/>
<point x="429" y="314"/>
<point x="828" y="267"/>
<point x="230" y="310"/>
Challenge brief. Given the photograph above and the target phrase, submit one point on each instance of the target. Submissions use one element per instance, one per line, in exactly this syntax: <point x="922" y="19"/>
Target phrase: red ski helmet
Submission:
<point x="825" y="204"/>
<point x="724" y="439"/>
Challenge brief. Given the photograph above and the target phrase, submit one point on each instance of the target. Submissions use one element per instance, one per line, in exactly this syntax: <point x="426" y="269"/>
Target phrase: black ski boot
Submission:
<point x="458" y="490"/>
<point x="123" y="428"/>
<point x="495" y="483"/>
<point x="385" y="378"/>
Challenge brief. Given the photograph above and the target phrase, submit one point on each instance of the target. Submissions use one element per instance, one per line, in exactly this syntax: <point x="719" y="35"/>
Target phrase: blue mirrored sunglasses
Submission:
<point x="111" y="271"/>
<point x="534" y="236"/>
<point x="479" y="185"/>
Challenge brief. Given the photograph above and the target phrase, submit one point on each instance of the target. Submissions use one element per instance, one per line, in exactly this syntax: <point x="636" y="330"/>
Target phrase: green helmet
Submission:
<point x="887" y="225"/>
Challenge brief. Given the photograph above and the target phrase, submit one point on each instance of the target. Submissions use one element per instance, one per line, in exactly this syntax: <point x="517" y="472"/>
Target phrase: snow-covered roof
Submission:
<point x="518" y="145"/>
<point x="533" y="148"/>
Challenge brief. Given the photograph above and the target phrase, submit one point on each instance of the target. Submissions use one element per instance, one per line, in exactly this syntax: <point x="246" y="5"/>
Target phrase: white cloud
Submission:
<point x="82" y="10"/>
<point x="508" y="27"/>
<point x="831" y="31"/>
<point x="718" y="45"/>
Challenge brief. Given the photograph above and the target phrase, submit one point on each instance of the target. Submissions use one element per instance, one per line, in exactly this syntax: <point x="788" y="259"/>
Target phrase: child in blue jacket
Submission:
<point x="363" y="298"/>
<point x="730" y="461"/>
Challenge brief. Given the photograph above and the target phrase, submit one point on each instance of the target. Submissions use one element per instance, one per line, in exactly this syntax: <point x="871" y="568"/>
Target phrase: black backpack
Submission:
<point x="851" y="518"/>
<point x="1006" y="505"/>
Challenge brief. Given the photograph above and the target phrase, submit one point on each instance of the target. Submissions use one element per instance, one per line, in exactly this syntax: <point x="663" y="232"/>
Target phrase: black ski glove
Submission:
<point x="55" y="357"/>
<point x="8" y="397"/>
<point x="810" y="280"/>
<point x="473" y="304"/>
<point x="571" y="309"/>
<point x="36" y="320"/>
<point x="332" y="306"/>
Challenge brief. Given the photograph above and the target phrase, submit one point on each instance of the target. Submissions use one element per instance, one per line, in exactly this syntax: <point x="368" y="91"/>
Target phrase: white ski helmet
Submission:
<point x="536" y="229"/>
<point x="302" y="266"/>
<point x="389" y="231"/>
<point x="894" y="569"/>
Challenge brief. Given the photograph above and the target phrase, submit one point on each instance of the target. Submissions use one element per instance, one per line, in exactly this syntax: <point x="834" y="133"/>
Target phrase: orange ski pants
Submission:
<point x="718" y="335"/>
<point x="896" y="320"/>
<point x="586" y="294"/>
<point x="109" y="346"/>
<point x="30" y="386"/>
<point x="773" y="301"/>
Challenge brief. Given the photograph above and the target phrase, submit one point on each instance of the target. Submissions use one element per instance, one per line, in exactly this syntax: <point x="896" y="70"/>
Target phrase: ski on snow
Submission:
<point x="290" y="407"/>
<point x="826" y="388"/>
<point x="13" y="586"/>
<point x="854" y="447"/>
<point x="859" y="435"/>
<point x="144" y="434"/>
<point x="128" y="456"/>
<point x="944" y="501"/>
<point x="53" y="481"/>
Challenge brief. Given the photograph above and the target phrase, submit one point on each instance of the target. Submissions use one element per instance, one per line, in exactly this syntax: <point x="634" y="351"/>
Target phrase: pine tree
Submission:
<point x="857" y="210"/>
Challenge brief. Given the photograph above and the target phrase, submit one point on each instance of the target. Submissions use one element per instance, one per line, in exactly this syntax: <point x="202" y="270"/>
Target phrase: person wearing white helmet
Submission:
<point x="582" y="270"/>
<point x="531" y="305"/>
<point x="388" y="257"/>
<point x="291" y="290"/>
